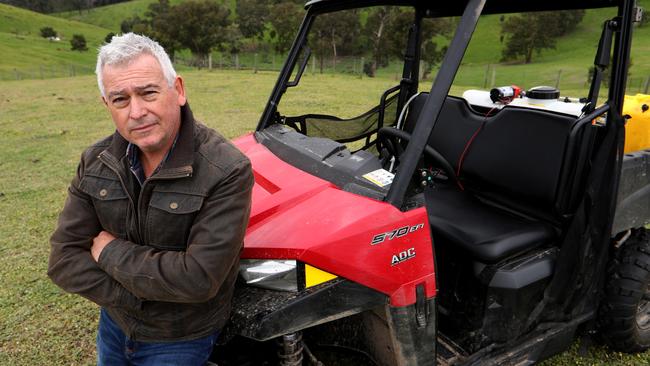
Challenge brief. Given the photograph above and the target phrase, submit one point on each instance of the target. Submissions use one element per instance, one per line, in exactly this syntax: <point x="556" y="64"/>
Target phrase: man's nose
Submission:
<point x="138" y="108"/>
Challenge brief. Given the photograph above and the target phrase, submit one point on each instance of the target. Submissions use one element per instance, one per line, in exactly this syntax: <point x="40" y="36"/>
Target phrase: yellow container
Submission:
<point x="637" y="128"/>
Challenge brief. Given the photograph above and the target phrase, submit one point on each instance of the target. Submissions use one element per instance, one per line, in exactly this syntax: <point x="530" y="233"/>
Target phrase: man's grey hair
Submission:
<point x="127" y="47"/>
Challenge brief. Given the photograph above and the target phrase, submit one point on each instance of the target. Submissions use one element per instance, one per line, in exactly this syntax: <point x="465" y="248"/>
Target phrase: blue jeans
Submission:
<point x="114" y="348"/>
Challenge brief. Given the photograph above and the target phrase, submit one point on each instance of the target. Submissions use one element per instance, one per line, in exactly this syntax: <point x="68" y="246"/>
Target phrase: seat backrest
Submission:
<point x="519" y="159"/>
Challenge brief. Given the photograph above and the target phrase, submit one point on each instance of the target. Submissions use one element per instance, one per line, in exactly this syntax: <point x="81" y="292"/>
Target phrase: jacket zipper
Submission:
<point x="112" y="164"/>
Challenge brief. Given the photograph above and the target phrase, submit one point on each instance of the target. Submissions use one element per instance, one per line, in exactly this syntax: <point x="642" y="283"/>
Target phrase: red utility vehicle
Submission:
<point x="441" y="229"/>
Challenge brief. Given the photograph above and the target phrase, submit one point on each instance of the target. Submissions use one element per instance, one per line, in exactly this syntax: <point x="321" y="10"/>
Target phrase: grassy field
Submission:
<point x="45" y="124"/>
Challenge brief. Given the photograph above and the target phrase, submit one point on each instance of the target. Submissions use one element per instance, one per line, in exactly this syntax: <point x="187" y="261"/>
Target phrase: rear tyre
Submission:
<point x="625" y="312"/>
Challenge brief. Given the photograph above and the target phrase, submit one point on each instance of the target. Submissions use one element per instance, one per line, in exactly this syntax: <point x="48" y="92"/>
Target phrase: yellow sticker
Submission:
<point x="380" y="177"/>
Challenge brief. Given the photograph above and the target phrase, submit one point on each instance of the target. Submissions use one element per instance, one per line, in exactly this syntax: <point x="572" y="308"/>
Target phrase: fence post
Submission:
<point x="210" y="61"/>
<point x="494" y="76"/>
<point x="40" y="67"/>
<point x="255" y="63"/>
<point x="640" y="85"/>
<point x="17" y="74"/>
<point x="557" y="81"/>
<point x="313" y="65"/>
<point x="647" y="85"/>
<point x="361" y="65"/>
<point x="487" y="76"/>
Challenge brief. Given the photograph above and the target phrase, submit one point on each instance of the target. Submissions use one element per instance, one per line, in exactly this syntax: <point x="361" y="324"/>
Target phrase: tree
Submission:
<point x="78" y="42"/>
<point x="533" y="32"/>
<point x="80" y="5"/>
<point x="335" y="34"/>
<point x="285" y="18"/>
<point x="375" y="31"/>
<point x="133" y="24"/>
<point x="47" y="32"/>
<point x="233" y="39"/>
<point x="252" y="16"/>
<point x="162" y="28"/>
<point x="199" y="25"/>
<point x="397" y="30"/>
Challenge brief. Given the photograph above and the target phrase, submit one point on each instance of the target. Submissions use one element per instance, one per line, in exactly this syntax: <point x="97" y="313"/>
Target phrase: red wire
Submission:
<point x="468" y="144"/>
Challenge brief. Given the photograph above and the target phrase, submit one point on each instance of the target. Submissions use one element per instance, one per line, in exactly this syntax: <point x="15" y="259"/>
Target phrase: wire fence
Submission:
<point x="46" y="72"/>
<point x="272" y="62"/>
<point x="479" y="76"/>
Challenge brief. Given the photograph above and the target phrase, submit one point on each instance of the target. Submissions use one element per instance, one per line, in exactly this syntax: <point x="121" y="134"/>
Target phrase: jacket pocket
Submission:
<point x="110" y="201"/>
<point x="170" y="218"/>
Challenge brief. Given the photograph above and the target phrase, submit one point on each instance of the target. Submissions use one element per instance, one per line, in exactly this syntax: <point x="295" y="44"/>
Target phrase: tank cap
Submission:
<point x="543" y="92"/>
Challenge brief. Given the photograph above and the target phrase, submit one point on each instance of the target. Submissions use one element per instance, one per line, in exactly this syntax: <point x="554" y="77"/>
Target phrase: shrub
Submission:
<point x="78" y="42"/>
<point x="109" y="37"/>
<point x="47" y="32"/>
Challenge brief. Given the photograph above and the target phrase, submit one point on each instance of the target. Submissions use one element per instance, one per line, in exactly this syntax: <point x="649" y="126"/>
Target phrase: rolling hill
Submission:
<point x="111" y="16"/>
<point x="24" y="51"/>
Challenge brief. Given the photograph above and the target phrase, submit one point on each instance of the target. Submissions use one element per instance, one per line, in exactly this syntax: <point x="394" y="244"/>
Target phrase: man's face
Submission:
<point x="146" y="111"/>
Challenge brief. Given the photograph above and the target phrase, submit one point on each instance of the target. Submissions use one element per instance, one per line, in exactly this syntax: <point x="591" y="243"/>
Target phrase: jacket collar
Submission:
<point x="181" y="159"/>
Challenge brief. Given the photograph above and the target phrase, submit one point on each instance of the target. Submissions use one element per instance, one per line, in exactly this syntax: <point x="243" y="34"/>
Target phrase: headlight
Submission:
<point x="272" y="274"/>
<point x="281" y="274"/>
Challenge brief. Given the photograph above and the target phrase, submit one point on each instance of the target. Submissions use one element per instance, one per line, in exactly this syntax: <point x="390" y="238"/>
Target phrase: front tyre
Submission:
<point x="625" y="312"/>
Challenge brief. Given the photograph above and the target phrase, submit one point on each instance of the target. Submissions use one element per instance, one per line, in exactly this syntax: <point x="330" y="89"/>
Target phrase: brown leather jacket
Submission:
<point x="170" y="273"/>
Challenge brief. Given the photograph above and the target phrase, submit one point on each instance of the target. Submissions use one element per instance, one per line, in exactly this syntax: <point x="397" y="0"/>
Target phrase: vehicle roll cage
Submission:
<point x="620" y="29"/>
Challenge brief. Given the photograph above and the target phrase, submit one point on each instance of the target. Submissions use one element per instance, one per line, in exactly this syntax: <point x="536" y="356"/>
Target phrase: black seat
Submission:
<point x="519" y="175"/>
<point x="487" y="233"/>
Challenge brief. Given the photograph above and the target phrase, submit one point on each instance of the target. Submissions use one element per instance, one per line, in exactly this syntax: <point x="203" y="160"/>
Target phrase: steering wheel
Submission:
<point x="389" y="137"/>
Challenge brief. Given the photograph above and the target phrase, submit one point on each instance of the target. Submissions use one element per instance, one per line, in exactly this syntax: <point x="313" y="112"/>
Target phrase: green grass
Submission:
<point x="45" y="126"/>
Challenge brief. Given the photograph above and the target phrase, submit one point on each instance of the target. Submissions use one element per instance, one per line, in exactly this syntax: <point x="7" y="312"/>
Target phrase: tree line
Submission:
<point x="377" y="34"/>
<point x="270" y="25"/>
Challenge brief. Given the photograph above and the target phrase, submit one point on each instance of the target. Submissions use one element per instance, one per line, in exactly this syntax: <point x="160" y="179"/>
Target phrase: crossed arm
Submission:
<point x="114" y="272"/>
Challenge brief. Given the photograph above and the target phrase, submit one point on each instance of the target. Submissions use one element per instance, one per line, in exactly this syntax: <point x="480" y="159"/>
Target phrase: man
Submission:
<point x="155" y="217"/>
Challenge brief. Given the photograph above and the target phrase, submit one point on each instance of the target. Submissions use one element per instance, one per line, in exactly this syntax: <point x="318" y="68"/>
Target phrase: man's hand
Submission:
<point x="99" y="242"/>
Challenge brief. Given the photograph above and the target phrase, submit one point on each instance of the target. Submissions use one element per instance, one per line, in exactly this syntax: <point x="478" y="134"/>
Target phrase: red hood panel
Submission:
<point x="296" y="215"/>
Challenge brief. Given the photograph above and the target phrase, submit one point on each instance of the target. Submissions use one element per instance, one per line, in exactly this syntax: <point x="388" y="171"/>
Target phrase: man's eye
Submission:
<point x="119" y="101"/>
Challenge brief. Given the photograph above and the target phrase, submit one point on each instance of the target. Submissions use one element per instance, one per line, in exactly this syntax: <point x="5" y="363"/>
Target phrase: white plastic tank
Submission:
<point x="540" y="97"/>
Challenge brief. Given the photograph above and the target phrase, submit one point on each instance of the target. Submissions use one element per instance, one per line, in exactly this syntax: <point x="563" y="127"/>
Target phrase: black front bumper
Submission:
<point x="262" y="314"/>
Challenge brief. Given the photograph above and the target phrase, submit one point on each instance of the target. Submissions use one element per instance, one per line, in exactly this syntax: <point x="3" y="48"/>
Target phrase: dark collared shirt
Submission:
<point x="133" y="157"/>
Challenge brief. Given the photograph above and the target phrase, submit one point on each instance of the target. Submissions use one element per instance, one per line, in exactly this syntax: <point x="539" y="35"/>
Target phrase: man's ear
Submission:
<point x="179" y="86"/>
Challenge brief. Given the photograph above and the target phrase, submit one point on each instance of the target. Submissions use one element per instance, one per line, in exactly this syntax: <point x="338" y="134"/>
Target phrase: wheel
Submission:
<point x="625" y="312"/>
